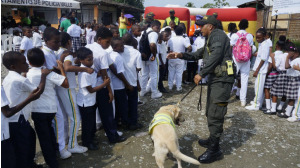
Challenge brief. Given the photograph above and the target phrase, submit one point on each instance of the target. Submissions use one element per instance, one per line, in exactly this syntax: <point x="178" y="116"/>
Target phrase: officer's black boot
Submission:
<point x="204" y="142"/>
<point x="211" y="154"/>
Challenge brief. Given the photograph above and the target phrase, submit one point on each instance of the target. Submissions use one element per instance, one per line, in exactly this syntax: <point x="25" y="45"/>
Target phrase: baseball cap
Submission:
<point x="207" y="20"/>
<point x="150" y="15"/>
<point x="215" y="14"/>
<point x="172" y="10"/>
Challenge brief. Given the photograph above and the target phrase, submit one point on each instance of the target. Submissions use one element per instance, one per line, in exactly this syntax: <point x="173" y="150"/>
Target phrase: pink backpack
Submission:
<point x="242" y="49"/>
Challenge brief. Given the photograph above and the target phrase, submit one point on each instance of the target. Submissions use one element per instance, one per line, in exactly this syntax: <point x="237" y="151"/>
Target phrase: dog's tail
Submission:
<point x="183" y="157"/>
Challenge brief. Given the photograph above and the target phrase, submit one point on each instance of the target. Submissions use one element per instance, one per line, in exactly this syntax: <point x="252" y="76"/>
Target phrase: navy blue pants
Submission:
<point x="106" y="113"/>
<point x="8" y="159"/>
<point x="88" y="116"/>
<point x="23" y="138"/>
<point x="161" y="77"/>
<point x="132" y="105"/>
<point x="46" y="135"/>
<point x="121" y="106"/>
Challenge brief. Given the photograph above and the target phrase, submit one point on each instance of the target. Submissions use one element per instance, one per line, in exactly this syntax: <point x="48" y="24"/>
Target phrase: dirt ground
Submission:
<point x="250" y="139"/>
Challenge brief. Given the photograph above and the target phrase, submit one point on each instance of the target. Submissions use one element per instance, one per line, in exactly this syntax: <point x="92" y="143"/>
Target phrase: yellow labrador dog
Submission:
<point x="162" y="131"/>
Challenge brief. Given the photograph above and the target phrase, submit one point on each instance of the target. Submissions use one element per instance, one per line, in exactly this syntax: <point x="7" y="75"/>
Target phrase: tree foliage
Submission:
<point x="216" y="4"/>
<point x="208" y="5"/>
<point x="135" y="3"/>
<point x="190" y="5"/>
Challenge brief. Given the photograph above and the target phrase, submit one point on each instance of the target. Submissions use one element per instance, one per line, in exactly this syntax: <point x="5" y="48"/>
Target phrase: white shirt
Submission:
<point x="178" y="44"/>
<point x="163" y="52"/>
<point x="82" y="31"/>
<point x="47" y="102"/>
<point x="17" y="89"/>
<point x="119" y="65"/>
<point x="109" y="49"/>
<point x="262" y="54"/>
<point x="4" y="120"/>
<point x="292" y="71"/>
<point x="10" y="30"/>
<point x="152" y="38"/>
<point x="84" y="97"/>
<point x="199" y="42"/>
<point x="42" y="27"/>
<point x="50" y="57"/>
<point x="26" y="44"/>
<point x="17" y="40"/>
<point x="132" y="60"/>
<point x="100" y="59"/>
<point x="37" y="40"/>
<point x="74" y="30"/>
<point x="276" y="55"/>
<point x="280" y="61"/>
<point x="88" y="31"/>
<point x="269" y="42"/>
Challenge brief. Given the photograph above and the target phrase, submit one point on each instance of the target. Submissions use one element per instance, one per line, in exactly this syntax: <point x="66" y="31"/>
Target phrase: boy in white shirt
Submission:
<point x="75" y="32"/>
<point x="86" y="98"/>
<point x="17" y="40"/>
<point x="162" y="44"/>
<point x="17" y="89"/>
<point x="45" y="108"/>
<point x="151" y="66"/>
<point x="132" y="64"/>
<point x="176" y="66"/>
<point x="36" y="38"/>
<point x="26" y="43"/>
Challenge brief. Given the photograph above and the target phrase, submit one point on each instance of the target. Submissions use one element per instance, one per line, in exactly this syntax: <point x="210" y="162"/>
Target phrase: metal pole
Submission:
<point x="275" y="29"/>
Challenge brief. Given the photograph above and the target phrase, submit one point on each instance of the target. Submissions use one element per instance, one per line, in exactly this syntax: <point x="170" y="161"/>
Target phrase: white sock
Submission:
<point x="273" y="107"/>
<point x="288" y="110"/>
<point x="268" y="104"/>
<point x="238" y="91"/>
<point x="280" y="105"/>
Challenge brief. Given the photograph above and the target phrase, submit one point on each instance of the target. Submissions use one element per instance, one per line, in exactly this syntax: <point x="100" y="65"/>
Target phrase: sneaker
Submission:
<point x="269" y="112"/>
<point x="293" y="119"/>
<point x="64" y="154"/>
<point x="179" y="89"/>
<point x="252" y="102"/>
<point x="143" y="93"/>
<point x="78" y="149"/>
<point x="156" y="95"/>
<point x="252" y="108"/>
<point x="243" y="103"/>
<point x="140" y="103"/>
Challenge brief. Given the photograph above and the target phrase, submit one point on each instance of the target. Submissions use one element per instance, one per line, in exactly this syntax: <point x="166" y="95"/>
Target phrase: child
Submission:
<point x="273" y="73"/>
<point x="88" y="29"/>
<point x="296" y="112"/>
<point x="36" y="38"/>
<point x="176" y="66"/>
<point x="74" y="31"/>
<point x="293" y="77"/>
<point x="86" y="98"/>
<point x="185" y="62"/>
<point x="116" y="34"/>
<point x="8" y="158"/>
<point x="67" y="96"/>
<point x="260" y="68"/>
<point x="199" y="43"/>
<point x="162" y="45"/>
<point x="136" y="32"/>
<point x="92" y="34"/>
<point x="192" y="65"/>
<point x="132" y="64"/>
<point x="17" y="89"/>
<point x="17" y="40"/>
<point x="45" y="108"/>
<point x="104" y="96"/>
<point x="82" y="37"/>
<point x="269" y="41"/>
<point x="26" y="43"/>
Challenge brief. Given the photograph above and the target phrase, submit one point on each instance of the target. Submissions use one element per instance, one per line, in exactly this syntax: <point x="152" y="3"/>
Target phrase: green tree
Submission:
<point x="208" y="5"/>
<point x="135" y="3"/>
<point x="190" y="5"/>
<point x="220" y="3"/>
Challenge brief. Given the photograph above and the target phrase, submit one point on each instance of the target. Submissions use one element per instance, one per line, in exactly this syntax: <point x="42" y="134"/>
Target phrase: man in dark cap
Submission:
<point x="148" y="19"/>
<point x="218" y="67"/>
<point x="171" y="18"/>
<point x="215" y="14"/>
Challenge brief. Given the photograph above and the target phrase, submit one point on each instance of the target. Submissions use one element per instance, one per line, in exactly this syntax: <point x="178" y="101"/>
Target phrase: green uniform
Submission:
<point x="215" y="53"/>
<point x="145" y="23"/>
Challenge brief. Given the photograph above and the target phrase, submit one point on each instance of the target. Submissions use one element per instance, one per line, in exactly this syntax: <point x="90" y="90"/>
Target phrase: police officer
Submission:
<point x="171" y="18"/>
<point x="217" y="60"/>
<point x="148" y="19"/>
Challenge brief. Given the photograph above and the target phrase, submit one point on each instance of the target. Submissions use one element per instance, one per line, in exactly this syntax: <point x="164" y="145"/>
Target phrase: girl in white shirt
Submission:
<point x="269" y="41"/>
<point x="17" y="40"/>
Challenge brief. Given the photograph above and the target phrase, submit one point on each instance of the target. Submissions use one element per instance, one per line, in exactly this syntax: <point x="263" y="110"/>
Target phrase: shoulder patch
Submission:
<point x="216" y="38"/>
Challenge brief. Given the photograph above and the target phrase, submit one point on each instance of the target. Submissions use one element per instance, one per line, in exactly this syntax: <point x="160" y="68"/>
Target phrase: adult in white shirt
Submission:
<point x="150" y="67"/>
<point x="242" y="67"/>
<point x="75" y="32"/>
<point x="176" y="66"/>
<point x="36" y="38"/>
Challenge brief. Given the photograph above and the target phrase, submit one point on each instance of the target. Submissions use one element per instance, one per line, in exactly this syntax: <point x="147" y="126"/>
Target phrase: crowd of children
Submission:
<point x="113" y="72"/>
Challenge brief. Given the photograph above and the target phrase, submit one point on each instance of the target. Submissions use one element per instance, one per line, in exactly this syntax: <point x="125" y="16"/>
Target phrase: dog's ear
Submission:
<point x="176" y="112"/>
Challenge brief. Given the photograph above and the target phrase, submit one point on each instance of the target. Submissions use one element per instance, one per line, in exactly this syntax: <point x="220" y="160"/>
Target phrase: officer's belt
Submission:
<point x="223" y="69"/>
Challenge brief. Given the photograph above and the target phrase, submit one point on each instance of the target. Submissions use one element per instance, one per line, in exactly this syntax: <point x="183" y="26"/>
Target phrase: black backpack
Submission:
<point x="144" y="46"/>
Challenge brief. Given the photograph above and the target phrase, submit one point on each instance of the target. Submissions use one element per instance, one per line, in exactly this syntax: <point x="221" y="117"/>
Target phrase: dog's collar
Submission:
<point x="160" y="119"/>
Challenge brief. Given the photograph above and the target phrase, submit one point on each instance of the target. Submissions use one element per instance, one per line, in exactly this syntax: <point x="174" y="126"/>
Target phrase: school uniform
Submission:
<point x="163" y="51"/>
<point x="91" y="37"/>
<point x="242" y="68"/>
<point x="293" y="78"/>
<point x="74" y="31"/>
<point x="8" y="158"/>
<point x="83" y="38"/>
<point x="176" y="66"/>
<point x="42" y="28"/>
<point x="58" y="121"/>
<point x="272" y="76"/>
<point x="26" y="44"/>
<point x="199" y="43"/>
<point x="192" y="66"/>
<point x="119" y="89"/>
<point x="67" y="97"/>
<point x="37" y="40"/>
<point x="150" y="69"/>
<point x="43" y="112"/>
<point x="86" y="102"/>
<point x="278" y="88"/>
<point x="105" y="108"/>
<point x="296" y="112"/>
<point x="87" y="30"/>
<point x="17" y="42"/>
<point x="132" y="62"/>
<point x="22" y="135"/>
<point x="262" y="54"/>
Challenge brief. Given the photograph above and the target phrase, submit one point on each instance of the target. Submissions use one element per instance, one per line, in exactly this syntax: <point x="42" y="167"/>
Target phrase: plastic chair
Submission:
<point x="9" y="46"/>
<point x="3" y="38"/>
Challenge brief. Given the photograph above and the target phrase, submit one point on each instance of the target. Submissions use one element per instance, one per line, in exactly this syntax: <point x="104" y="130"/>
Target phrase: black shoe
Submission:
<point x="185" y="82"/>
<point x="279" y="111"/>
<point x="95" y="142"/>
<point x="120" y="139"/>
<point x="237" y="97"/>
<point x="282" y="115"/>
<point x="34" y="165"/>
<point x="213" y="153"/>
<point x="93" y="146"/>
<point x="163" y="90"/>
<point x="204" y="142"/>
<point x="269" y="112"/>
<point x="135" y="127"/>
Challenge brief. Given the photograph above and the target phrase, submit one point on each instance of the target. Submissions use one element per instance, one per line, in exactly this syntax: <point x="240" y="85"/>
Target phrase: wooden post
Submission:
<point x="96" y="13"/>
<point x="275" y="29"/>
<point x="30" y="11"/>
<point x="58" y="14"/>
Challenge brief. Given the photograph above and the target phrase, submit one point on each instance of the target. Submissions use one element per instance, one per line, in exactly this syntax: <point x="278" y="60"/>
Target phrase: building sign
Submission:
<point x="285" y="7"/>
<point x="43" y="3"/>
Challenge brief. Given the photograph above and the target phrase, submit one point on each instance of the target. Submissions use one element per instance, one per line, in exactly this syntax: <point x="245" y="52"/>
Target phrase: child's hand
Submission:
<point x="111" y="97"/>
<point x="89" y="70"/>
<point x="272" y="55"/>
<point x="152" y="58"/>
<point x="99" y="73"/>
<point x="45" y="71"/>
<point x="65" y="54"/>
<point x="130" y="88"/>
<point x="60" y="65"/>
<point x="106" y="81"/>
<point x="296" y="67"/>
<point x="255" y="74"/>
<point x="35" y="94"/>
